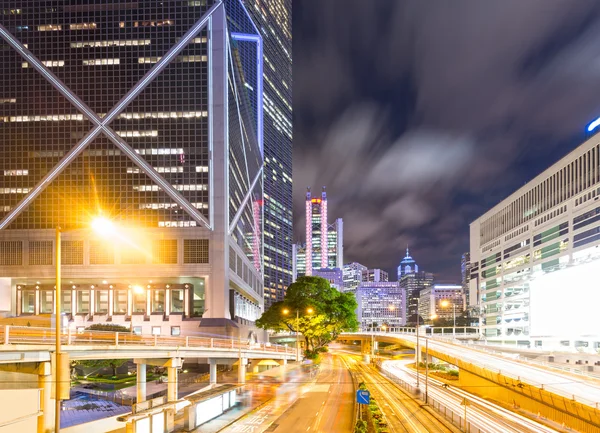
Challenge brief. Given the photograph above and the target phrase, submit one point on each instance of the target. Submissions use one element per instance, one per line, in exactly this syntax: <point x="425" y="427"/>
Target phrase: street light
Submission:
<point x="102" y="226"/>
<point x="445" y="303"/>
<point x="285" y="312"/>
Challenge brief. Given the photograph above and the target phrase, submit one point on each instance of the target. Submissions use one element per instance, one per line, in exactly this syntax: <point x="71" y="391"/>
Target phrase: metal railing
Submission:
<point x="25" y="335"/>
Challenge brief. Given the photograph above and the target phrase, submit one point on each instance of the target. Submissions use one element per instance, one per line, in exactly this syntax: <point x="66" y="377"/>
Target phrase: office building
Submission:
<point x="375" y="275"/>
<point x="536" y="258"/>
<point x="150" y="114"/>
<point x="380" y="303"/>
<point x="441" y="301"/>
<point x="465" y="274"/>
<point x="274" y="21"/>
<point x="324" y="243"/>
<point x="335" y="276"/>
<point x="407" y="266"/>
<point x="353" y="276"/>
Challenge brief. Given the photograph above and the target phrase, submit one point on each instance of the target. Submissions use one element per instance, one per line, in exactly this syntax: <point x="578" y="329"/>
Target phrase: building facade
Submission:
<point x="407" y="266"/>
<point x="375" y="275"/>
<point x="274" y="20"/>
<point x="532" y="255"/>
<point x="413" y="284"/>
<point x="441" y="301"/>
<point x="335" y="276"/>
<point x="353" y="276"/>
<point x="149" y="114"/>
<point x="380" y="303"/>
<point x="465" y="274"/>
<point x="324" y="245"/>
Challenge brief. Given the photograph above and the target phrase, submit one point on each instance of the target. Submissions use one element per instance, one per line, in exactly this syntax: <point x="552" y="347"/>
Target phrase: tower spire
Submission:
<point x="407" y="255"/>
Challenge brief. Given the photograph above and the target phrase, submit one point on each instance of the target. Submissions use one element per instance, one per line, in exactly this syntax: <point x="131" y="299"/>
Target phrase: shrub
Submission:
<point x="361" y="426"/>
<point x="107" y="327"/>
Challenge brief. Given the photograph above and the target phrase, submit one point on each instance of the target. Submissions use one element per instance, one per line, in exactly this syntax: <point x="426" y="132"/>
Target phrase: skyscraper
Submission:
<point x="412" y="281"/>
<point x="149" y="113"/>
<point x="352" y="276"/>
<point x="324" y="242"/>
<point x="274" y="21"/>
<point x="380" y="303"/>
<point x="465" y="274"/>
<point x="407" y="266"/>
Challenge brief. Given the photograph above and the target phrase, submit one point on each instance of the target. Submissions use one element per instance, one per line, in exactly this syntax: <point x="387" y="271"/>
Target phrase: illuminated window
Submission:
<point x="137" y="133"/>
<point x="50" y="28"/>
<point x="176" y="169"/>
<point x="14" y="190"/>
<point x="48" y="63"/>
<point x="97" y="62"/>
<point x="119" y="43"/>
<point x="83" y="301"/>
<point x="201" y="169"/>
<point x="177" y="224"/>
<point x="101" y="301"/>
<point x="16" y="172"/>
<point x="155" y="23"/>
<point x="8" y="100"/>
<point x="158" y="301"/>
<point x="176" y="300"/>
<point x="28" y="301"/>
<point x="120" y="302"/>
<point x="83" y="26"/>
<point x="46" y="301"/>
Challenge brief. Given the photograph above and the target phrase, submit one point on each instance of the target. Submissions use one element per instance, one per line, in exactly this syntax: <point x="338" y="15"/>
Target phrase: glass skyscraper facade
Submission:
<point x="273" y="18"/>
<point x="149" y="113"/>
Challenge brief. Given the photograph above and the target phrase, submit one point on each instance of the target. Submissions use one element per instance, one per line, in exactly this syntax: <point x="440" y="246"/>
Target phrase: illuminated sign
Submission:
<point x="316" y="200"/>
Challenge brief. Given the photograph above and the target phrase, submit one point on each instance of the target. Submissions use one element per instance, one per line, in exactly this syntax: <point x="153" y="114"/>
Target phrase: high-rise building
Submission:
<point x="535" y="256"/>
<point x="273" y="18"/>
<point x="442" y="301"/>
<point x="335" y="276"/>
<point x="380" y="303"/>
<point x="352" y="276"/>
<point x="375" y="275"/>
<point x="465" y="274"/>
<point x="407" y="266"/>
<point x="324" y="242"/>
<point x="150" y="114"/>
<point x="413" y="283"/>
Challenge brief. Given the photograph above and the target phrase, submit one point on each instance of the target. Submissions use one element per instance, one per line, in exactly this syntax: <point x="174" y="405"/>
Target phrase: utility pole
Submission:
<point x="426" y="369"/>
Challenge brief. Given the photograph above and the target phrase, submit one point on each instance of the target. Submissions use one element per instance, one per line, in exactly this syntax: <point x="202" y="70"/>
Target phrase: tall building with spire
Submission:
<point x="323" y="248"/>
<point x="412" y="282"/>
<point x="407" y="265"/>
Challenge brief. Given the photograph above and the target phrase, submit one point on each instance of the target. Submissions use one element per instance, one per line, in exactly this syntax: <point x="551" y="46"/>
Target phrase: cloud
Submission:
<point x="419" y="117"/>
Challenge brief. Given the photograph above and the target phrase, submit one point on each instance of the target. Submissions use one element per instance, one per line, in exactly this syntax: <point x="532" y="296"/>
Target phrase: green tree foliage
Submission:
<point x="103" y="363"/>
<point x="107" y="327"/>
<point x="332" y="312"/>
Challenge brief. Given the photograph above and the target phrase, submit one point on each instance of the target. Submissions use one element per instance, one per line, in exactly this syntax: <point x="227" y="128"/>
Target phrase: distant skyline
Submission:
<point x="420" y="118"/>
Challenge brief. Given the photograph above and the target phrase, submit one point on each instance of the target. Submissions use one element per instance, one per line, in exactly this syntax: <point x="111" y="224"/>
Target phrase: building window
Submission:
<point x="65" y="306"/>
<point x="158" y="301"/>
<point x="40" y="253"/>
<point x="46" y="301"/>
<point x="101" y="302"/>
<point x="177" y="300"/>
<point x="83" y="26"/>
<point x="83" y="301"/>
<point x="198" y="300"/>
<point x="139" y="302"/>
<point x="71" y="252"/>
<point x="100" y="62"/>
<point x="28" y="301"/>
<point x="164" y="251"/>
<point x="120" y="302"/>
<point x="175" y="331"/>
<point x="156" y="330"/>
<point x="11" y="253"/>
<point x="49" y="28"/>
<point x="137" y="330"/>
<point x="195" y="251"/>
<point x="102" y="253"/>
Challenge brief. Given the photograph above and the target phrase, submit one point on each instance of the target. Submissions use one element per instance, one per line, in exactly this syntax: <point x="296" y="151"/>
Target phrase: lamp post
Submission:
<point x="417" y="351"/>
<point x="99" y="225"/>
<point x="286" y="311"/>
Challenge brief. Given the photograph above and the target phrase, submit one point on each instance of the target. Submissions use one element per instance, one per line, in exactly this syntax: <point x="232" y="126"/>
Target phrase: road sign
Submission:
<point x="363" y="396"/>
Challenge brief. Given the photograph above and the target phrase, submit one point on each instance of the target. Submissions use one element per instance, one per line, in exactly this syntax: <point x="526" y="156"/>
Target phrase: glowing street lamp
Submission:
<point x="445" y="303"/>
<point x="103" y="227"/>
<point x="285" y="312"/>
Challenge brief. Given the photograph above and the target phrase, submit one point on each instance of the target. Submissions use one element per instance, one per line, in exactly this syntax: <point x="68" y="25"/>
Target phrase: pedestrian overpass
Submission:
<point x="30" y="350"/>
<point x="557" y="396"/>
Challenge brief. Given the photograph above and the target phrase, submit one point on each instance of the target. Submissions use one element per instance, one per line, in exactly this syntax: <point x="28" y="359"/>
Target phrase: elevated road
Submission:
<point x="559" y="397"/>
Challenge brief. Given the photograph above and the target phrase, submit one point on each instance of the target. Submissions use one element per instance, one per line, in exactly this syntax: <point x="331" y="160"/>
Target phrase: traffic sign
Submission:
<point x="363" y="396"/>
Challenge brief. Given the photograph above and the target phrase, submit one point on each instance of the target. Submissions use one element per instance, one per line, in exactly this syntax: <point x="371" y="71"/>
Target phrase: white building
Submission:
<point x="534" y="258"/>
<point x="352" y="276"/>
<point x="380" y="303"/>
<point x="375" y="275"/>
<point x="441" y="301"/>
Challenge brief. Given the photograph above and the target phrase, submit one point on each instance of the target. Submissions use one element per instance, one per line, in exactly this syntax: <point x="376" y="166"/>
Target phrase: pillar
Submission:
<point x="172" y="383"/>
<point x="46" y="420"/>
<point x="141" y="382"/>
<point x="213" y="371"/>
<point x="283" y="362"/>
<point x="255" y="368"/>
<point x="242" y="371"/>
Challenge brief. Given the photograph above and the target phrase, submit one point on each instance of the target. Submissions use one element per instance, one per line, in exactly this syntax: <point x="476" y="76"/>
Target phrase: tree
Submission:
<point x="332" y="312"/>
<point x="104" y="363"/>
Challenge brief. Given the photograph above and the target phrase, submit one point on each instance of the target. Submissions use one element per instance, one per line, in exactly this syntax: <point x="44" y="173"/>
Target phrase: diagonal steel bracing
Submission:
<point x="103" y="124"/>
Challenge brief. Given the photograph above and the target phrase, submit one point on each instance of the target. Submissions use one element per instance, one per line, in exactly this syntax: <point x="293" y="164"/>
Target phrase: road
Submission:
<point x="325" y="404"/>
<point x="402" y="412"/>
<point x="565" y="385"/>
<point x="486" y="416"/>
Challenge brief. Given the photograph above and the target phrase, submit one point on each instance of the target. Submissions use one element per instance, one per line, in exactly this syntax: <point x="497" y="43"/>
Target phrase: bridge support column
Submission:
<point x="365" y="349"/>
<point x="242" y="371"/>
<point x="283" y="362"/>
<point x="141" y="382"/>
<point x="46" y="420"/>
<point x="172" y="383"/>
<point x="213" y="371"/>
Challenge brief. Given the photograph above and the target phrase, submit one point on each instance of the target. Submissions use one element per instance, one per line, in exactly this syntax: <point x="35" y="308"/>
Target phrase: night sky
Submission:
<point x="419" y="116"/>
